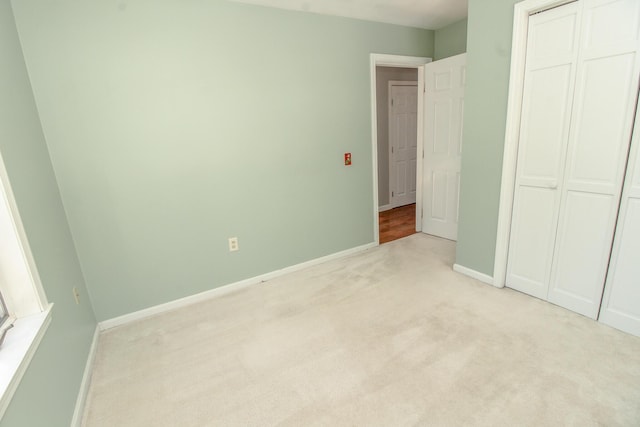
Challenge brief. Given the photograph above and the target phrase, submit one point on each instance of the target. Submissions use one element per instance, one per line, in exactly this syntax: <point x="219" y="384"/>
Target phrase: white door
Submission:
<point x="403" y="140"/>
<point x="601" y="126"/>
<point x="552" y="51"/>
<point x="581" y="84"/>
<point x="443" y="109"/>
<point x="621" y="302"/>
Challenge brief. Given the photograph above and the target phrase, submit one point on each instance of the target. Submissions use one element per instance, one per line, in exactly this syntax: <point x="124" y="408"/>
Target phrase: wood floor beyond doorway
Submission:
<point x="397" y="223"/>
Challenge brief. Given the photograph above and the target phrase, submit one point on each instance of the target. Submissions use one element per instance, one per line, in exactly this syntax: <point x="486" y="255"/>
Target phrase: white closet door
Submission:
<point x="621" y="302"/>
<point x="549" y="84"/>
<point x="602" y="121"/>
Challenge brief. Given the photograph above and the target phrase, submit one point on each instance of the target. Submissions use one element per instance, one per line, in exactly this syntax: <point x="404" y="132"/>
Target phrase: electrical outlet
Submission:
<point x="76" y="295"/>
<point x="233" y="244"/>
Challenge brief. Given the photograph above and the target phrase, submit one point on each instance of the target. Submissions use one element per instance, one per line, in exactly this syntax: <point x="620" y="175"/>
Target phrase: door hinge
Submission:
<point x="422" y="213"/>
<point x="391" y="149"/>
<point x="392" y="194"/>
<point x="392" y="102"/>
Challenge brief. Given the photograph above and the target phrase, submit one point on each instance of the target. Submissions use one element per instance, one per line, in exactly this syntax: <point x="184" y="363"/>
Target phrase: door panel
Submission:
<point x="444" y="103"/>
<point x="443" y="111"/>
<point x="621" y="301"/>
<point x="531" y="251"/>
<point x="600" y="140"/>
<point x="602" y="121"/>
<point x="403" y="140"/>
<point x="611" y="23"/>
<point x="546" y="112"/>
<point x="620" y="307"/>
<point x="582" y="252"/>
<point x="545" y="125"/>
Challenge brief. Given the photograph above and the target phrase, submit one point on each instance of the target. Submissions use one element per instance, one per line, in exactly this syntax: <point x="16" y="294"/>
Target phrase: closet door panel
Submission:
<point x="602" y="121"/>
<point x="602" y="125"/>
<point x="581" y="247"/>
<point x="544" y="128"/>
<point x="621" y="301"/>
<point x="624" y="299"/>
<point x="532" y="242"/>
<point x="611" y="23"/>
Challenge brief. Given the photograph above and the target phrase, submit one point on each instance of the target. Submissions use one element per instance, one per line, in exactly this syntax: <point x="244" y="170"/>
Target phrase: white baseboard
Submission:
<point x="78" y="413"/>
<point x="485" y="278"/>
<point x="384" y="208"/>
<point x="225" y="289"/>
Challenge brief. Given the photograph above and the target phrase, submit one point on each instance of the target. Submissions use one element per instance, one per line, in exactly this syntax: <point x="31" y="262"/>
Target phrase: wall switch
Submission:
<point x="233" y="244"/>
<point x="76" y="295"/>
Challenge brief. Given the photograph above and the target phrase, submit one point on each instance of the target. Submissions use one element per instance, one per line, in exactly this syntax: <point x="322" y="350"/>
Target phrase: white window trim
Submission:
<point x="18" y="349"/>
<point x="23" y="294"/>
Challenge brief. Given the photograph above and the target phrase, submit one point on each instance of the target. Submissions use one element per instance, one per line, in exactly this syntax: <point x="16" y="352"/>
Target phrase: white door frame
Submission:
<point x="398" y="61"/>
<point x="521" y="14"/>
<point x="391" y="164"/>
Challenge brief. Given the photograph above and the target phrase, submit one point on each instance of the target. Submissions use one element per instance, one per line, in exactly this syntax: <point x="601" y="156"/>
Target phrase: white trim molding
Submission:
<point x="521" y="14"/>
<point x="18" y="349"/>
<point x="385" y="208"/>
<point x="78" y="413"/>
<point x="225" y="289"/>
<point x="20" y="282"/>
<point x="22" y="292"/>
<point x="484" y="278"/>
<point x="398" y="61"/>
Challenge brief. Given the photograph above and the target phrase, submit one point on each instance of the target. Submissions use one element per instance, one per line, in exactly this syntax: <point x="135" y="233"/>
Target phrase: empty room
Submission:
<point x="319" y="212"/>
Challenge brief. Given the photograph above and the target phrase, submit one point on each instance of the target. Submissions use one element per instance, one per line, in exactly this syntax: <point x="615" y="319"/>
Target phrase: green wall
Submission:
<point x="48" y="391"/>
<point x="450" y="40"/>
<point x="490" y="30"/>
<point x="173" y="125"/>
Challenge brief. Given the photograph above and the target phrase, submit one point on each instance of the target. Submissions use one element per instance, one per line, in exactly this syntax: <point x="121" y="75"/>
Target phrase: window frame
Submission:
<point x="6" y="322"/>
<point x="27" y="310"/>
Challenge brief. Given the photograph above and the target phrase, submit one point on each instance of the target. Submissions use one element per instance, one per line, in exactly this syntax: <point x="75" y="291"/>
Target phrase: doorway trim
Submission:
<point x="398" y="61"/>
<point x="521" y="14"/>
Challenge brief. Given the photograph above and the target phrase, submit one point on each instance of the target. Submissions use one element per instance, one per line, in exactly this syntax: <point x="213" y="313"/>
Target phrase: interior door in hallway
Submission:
<point x="403" y="140"/>
<point x="443" y="109"/>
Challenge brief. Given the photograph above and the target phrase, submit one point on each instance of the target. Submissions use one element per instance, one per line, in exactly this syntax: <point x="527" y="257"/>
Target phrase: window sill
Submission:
<point x="18" y="349"/>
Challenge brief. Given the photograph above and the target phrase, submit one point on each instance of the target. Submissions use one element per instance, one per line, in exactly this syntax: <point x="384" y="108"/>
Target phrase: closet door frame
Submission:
<point x="522" y="11"/>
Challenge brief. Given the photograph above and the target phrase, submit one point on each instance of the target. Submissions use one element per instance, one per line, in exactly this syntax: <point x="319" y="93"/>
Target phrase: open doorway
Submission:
<point x="397" y="138"/>
<point x="439" y="152"/>
<point x="397" y="102"/>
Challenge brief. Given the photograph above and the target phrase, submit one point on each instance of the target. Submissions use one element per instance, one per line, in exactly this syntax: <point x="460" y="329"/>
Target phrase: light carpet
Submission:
<point x="388" y="337"/>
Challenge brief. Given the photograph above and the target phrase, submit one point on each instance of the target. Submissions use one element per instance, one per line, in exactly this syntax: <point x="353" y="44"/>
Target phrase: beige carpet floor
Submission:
<point x="388" y="337"/>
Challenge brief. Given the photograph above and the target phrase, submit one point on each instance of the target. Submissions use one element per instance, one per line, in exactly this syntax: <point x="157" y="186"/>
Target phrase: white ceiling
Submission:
<point x="430" y="14"/>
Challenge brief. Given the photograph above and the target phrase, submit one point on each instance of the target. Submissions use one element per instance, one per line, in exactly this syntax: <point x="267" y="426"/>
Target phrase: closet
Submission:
<point x="575" y="227"/>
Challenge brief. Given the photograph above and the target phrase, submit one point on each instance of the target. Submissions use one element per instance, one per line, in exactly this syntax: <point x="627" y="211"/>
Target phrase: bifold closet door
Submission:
<point x="562" y="227"/>
<point x="552" y="50"/>
<point x="601" y="125"/>
<point x="621" y="302"/>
